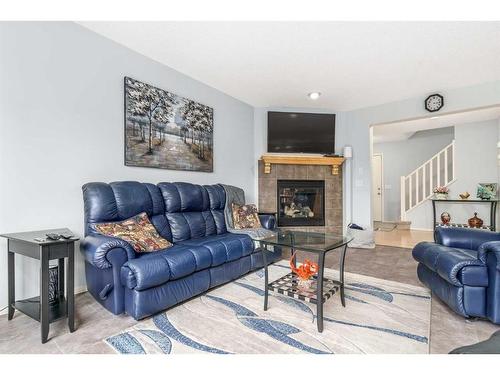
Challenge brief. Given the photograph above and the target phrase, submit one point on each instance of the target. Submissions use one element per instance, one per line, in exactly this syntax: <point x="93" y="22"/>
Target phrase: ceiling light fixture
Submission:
<point x="314" y="95"/>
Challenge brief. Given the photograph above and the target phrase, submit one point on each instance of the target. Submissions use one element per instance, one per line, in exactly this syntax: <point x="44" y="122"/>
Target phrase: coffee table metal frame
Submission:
<point x="321" y="295"/>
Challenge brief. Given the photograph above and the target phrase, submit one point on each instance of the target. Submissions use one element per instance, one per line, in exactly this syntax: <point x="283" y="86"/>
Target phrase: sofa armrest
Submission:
<point x="464" y="238"/>
<point x="96" y="247"/>
<point x="447" y="262"/>
<point x="487" y="249"/>
<point x="489" y="254"/>
<point x="267" y="221"/>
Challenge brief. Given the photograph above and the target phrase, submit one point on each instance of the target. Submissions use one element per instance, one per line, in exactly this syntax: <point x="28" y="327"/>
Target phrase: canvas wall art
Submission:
<point x="487" y="190"/>
<point x="164" y="130"/>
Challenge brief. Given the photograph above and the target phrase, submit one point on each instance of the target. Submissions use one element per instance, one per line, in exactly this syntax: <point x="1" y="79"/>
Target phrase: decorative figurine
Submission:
<point x="464" y="195"/>
<point x="445" y="218"/>
<point x="475" y="222"/>
<point x="441" y="192"/>
<point x="304" y="272"/>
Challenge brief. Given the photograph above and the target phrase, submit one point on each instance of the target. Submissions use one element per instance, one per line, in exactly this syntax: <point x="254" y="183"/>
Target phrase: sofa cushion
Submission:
<point x="217" y="198"/>
<point x="137" y="230"/>
<point x="183" y="259"/>
<point x="457" y="266"/>
<point x="131" y="198"/>
<point x="187" y="209"/>
<point x="224" y="247"/>
<point x="184" y="197"/>
<point x="120" y="200"/>
<point x="464" y="238"/>
<point x="155" y="269"/>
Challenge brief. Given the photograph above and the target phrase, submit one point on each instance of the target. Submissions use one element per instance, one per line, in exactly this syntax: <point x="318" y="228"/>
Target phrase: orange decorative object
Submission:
<point x="305" y="270"/>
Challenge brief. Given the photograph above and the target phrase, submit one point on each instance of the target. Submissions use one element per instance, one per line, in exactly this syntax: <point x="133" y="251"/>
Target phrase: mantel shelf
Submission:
<point x="334" y="161"/>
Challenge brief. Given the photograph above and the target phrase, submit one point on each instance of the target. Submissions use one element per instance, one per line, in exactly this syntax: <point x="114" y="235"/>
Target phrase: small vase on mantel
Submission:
<point x="475" y="222"/>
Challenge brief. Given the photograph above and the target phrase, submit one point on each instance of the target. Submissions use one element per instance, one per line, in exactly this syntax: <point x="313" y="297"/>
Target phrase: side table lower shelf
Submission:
<point x="31" y="307"/>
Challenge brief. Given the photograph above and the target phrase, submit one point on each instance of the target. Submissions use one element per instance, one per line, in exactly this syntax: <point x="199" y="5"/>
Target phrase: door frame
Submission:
<point x="382" y="190"/>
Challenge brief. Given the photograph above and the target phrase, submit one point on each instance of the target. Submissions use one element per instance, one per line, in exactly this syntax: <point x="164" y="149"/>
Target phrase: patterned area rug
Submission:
<point x="380" y="316"/>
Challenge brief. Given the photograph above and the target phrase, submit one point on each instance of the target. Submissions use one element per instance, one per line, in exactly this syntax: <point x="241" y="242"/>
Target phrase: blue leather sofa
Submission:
<point x="463" y="269"/>
<point x="190" y="216"/>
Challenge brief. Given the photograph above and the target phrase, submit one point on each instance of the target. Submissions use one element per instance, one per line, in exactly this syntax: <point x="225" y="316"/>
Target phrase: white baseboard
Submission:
<point x="81" y="289"/>
<point x="422" y="229"/>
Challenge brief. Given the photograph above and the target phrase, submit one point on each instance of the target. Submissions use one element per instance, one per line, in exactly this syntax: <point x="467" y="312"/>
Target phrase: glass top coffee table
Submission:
<point x="312" y="242"/>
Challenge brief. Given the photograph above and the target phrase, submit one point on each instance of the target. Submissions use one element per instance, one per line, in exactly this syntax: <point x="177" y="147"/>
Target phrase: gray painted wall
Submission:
<point x="354" y="129"/>
<point x="260" y="142"/>
<point x="356" y="126"/>
<point x="475" y="161"/>
<point x="403" y="157"/>
<point x="61" y="125"/>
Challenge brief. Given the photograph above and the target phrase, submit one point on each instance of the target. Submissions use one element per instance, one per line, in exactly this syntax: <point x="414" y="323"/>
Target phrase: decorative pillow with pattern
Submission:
<point x="138" y="231"/>
<point x="245" y="216"/>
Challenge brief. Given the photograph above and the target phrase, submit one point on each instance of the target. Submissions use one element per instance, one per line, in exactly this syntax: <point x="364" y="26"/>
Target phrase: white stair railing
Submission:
<point x="417" y="187"/>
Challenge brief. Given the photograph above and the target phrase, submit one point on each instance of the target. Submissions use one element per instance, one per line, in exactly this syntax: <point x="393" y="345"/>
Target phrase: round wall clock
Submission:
<point x="434" y="102"/>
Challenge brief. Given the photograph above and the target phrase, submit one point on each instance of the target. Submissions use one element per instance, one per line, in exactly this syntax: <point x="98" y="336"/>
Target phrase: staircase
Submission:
<point x="417" y="187"/>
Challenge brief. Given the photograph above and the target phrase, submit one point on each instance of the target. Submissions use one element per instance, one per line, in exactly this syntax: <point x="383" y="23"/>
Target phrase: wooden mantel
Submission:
<point x="334" y="161"/>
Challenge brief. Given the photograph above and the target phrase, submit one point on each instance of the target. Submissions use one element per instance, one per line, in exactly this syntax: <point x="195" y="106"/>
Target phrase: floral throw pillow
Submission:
<point x="245" y="217"/>
<point x="138" y="231"/>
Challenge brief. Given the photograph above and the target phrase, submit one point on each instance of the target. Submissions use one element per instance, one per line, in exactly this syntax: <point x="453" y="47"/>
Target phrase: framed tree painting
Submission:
<point x="164" y="130"/>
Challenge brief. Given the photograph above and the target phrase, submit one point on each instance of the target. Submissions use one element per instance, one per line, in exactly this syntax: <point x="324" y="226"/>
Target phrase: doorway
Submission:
<point x="377" y="191"/>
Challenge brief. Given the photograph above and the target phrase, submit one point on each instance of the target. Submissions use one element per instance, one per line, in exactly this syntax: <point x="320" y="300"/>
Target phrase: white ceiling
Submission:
<point x="353" y="64"/>
<point x="402" y="130"/>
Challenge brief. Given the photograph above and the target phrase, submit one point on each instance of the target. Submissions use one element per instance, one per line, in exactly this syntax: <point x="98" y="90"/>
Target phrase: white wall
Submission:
<point x="403" y="157"/>
<point x="475" y="161"/>
<point x="61" y="125"/>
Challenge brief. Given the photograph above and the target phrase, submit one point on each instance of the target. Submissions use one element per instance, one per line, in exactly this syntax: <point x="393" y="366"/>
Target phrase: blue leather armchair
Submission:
<point x="190" y="216"/>
<point x="463" y="269"/>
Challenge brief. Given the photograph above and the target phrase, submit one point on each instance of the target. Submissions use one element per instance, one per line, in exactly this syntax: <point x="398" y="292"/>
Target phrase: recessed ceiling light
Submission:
<point x="314" y="95"/>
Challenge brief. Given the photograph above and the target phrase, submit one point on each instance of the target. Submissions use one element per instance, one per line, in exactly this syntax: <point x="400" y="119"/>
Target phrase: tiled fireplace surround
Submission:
<point x="333" y="191"/>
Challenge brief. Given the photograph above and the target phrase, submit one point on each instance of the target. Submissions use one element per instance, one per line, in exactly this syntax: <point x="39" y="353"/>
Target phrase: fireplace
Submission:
<point x="301" y="203"/>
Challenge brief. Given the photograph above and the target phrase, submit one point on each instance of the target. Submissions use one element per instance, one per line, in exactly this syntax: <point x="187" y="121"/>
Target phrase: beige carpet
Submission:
<point x="380" y="316"/>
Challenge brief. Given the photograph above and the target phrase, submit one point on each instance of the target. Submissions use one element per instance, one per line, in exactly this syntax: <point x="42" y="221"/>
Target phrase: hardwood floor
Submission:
<point x="94" y="323"/>
<point x="402" y="238"/>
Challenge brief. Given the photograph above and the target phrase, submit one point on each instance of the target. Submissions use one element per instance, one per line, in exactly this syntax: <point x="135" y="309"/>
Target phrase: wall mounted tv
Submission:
<point x="295" y="132"/>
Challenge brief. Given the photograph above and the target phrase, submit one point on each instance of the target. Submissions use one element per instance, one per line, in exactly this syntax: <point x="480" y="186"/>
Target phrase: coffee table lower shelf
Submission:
<point x="288" y="285"/>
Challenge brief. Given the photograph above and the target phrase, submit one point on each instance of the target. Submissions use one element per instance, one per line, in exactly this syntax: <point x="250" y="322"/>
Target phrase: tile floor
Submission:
<point x="94" y="323"/>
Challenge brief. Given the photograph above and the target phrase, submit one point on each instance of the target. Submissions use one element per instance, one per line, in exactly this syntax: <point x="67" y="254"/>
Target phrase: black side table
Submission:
<point x="39" y="308"/>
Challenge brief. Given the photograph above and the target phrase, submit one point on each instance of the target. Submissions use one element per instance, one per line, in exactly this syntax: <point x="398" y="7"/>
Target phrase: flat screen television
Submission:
<point x="295" y="132"/>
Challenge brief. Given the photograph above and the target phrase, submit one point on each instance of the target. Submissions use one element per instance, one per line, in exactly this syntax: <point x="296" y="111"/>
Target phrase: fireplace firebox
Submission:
<point x="301" y="203"/>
